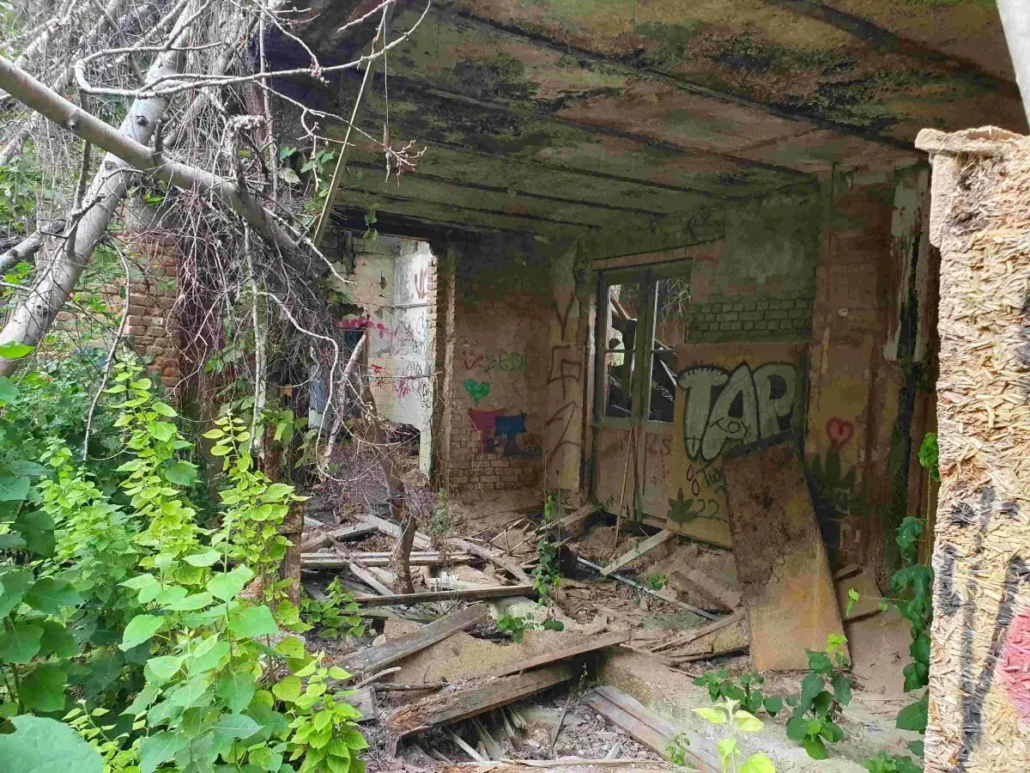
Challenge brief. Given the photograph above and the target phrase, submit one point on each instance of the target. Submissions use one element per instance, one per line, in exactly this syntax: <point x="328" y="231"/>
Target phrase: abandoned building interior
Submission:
<point x="654" y="314"/>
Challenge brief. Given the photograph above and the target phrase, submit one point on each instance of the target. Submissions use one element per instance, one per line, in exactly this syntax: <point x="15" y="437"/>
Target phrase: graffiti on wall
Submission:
<point x="738" y="406"/>
<point x="1008" y="650"/>
<point x="502" y="362"/>
<point x="477" y="390"/>
<point x="502" y="432"/>
<point x="564" y="389"/>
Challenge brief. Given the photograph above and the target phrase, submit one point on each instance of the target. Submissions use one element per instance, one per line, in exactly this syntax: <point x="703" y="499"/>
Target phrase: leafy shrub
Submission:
<point x="337" y="612"/>
<point x="736" y="721"/>
<point x="747" y="693"/>
<point x="824" y="692"/>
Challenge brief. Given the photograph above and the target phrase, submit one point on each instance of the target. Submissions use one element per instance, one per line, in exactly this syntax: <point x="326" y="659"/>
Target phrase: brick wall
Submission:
<point x="151" y="327"/>
<point x="759" y="320"/>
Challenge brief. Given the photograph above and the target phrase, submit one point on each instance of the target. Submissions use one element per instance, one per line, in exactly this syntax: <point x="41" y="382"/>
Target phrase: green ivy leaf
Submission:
<point x="49" y="596"/>
<point x="8" y="391"/>
<point x="226" y="585"/>
<point x="191" y="692"/>
<point x="160" y="669"/>
<point x="797" y="729"/>
<point x="914" y="716"/>
<point x="157" y="749"/>
<point x="236" y="726"/>
<point x="291" y="647"/>
<point x="181" y="473"/>
<point x="842" y="688"/>
<point x="208" y="655"/>
<point x="714" y="716"/>
<point x="815" y="747"/>
<point x="15" y="351"/>
<point x="758" y="763"/>
<point x="161" y="430"/>
<point x="43" y="689"/>
<point x="37" y="528"/>
<point x="140" y="629"/>
<point x="13" y="488"/>
<point x="40" y="745"/>
<point x="20" y="643"/>
<point x="191" y="603"/>
<point x="57" y="641"/>
<point x="236" y="690"/>
<point x="13" y="585"/>
<point x="207" y="558"/>
<point x="163" y="409"/>
<point x="353" y="738"/>
<point x="288" y="689"/>
<point x="252" y="621"/>
<point x="11" y="541"/>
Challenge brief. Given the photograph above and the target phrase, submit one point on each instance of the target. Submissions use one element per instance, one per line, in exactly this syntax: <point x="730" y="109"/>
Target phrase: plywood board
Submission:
<point x="782" y="567"/>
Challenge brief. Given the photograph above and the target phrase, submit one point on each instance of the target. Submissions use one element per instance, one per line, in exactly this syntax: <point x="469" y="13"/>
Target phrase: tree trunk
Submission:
<point x="293" y="530"/>
<point x="54" y="283"/>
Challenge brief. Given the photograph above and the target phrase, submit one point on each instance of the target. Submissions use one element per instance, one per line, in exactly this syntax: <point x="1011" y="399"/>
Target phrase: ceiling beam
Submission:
<point x="648" y="73"/>
<point x="884" y="40"/>
<point x="505" y="190"/>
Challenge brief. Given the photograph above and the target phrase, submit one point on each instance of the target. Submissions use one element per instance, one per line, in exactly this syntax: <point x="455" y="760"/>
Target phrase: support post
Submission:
<point x="979" y="694"/>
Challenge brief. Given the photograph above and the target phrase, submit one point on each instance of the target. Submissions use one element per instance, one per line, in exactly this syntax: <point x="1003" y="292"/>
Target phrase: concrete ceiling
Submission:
<point x="572" y="116"/>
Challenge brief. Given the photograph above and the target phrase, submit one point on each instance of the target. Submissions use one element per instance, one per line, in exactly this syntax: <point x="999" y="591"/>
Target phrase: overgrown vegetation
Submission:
<point x="747" y="693"/>
<point x="115" y="596"/>
<point x="516" y="626"/>
<point x="547" y="574"/>
<point x="336" y="613"/>
<point x="736" y="721"/>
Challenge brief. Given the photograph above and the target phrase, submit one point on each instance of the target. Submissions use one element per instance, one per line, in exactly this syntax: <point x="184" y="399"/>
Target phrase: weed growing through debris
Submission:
<point x="747" y="693"/>
<point x="516" y="626"/>
<point x="885" y="763"/>
<point x="676" y="750"/>
<point x="337" y="612"/>
<point x="825" y="691"/>
<point x="656" y="581"/>
<point x="547" y="575"/>
<point x="737" y="721"/>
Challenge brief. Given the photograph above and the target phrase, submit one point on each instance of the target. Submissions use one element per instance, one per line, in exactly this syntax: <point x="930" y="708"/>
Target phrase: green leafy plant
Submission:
<point x="736" y="721"/>
<point x="929" y="455"/>
<point x="337" y="612"/>
<point x="656" y="581"/>
<point x="887" y="763"/>
<point x="676" y="750"/>
<point x="747" y="693"/>
<point x="516" y="626"/>
<point x="825" y="691"/>
<point x="912" y="596"/>
<point x="547" y="574"/>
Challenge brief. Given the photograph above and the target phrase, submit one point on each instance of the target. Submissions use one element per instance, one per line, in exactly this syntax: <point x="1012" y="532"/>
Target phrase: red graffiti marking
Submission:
<point x="839" y="432"/>
<point x="1015" y="664"/>
<point x="473" y="361"/>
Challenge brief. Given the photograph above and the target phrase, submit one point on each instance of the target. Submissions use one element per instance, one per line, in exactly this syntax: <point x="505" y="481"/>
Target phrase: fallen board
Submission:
<point x="375" y="658"/>
<point x="701" y="585"/>
<point x="332" y="561"/>
<point x="447" y="707"/>
<point x="696" y="633"/>
<point x="734" y="637"/>
<point x="644" y="547"/>
<point x="782" y="569"/>
<point x="498" y="592"/>
<point x="341" y="534"/>
<point x="650" y="729"/>
<point x="588" y="644"/>
<point x="364" y="700"/>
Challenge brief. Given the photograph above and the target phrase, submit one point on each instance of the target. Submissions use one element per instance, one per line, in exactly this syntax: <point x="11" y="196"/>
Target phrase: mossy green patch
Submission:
<point x="673" y="40"/>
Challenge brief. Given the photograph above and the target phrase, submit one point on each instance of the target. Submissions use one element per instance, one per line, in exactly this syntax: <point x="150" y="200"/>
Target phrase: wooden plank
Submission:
<point x="734" y="637"/>
<point x="394" y="530"/>
<point x="701" y="584"/>
<point x="447" y="707"/>
<point x="342" y="534"/>
<point x="683" y="530"/>
<point x="375" y="658"/>
<point x="644" y="547"/>
<point x="510" y="567"/>
<point x="650" y="729"/>
<point x="364" y="700"/>
<point x="573" y="520"/>
<point x="782" y="568"/>
<point x="495" y="592"/>
<point x="331" y="561"/>
<point x="702" y="630"/>
<point x="589" y="644"/>
<point x="369" y="579"/>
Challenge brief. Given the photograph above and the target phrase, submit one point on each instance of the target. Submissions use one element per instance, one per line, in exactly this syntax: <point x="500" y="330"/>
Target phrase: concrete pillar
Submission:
<point x="979" y="699"/>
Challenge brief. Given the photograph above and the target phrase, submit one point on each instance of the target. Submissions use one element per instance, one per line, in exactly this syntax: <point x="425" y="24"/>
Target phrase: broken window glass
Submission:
<point x="672" y="297"/>
<point x="625" y="302"/>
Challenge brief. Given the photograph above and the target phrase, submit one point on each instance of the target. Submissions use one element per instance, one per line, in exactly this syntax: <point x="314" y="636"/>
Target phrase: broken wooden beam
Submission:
<point x="644" y="547"/>
<point x="648" y="591"/>
<point x="375" y="658"/>
<point x="369" y="579"/>
<point x="697" y="633"/>
<point x="492" y="592"/>
<point x="735" y="637"/>
<point x="394" y="530"/>
<point x="650" y="729"/>
<point x="572" y="521"/>
<point x="340" y="535"/>
<point x="589" y="644"/>
<point x="701" y="585"/>
<point x="364" y="700"/>
<point x="453" y="706"/>
<point x="333" y="561"/>
<point x="486" y="554"/>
